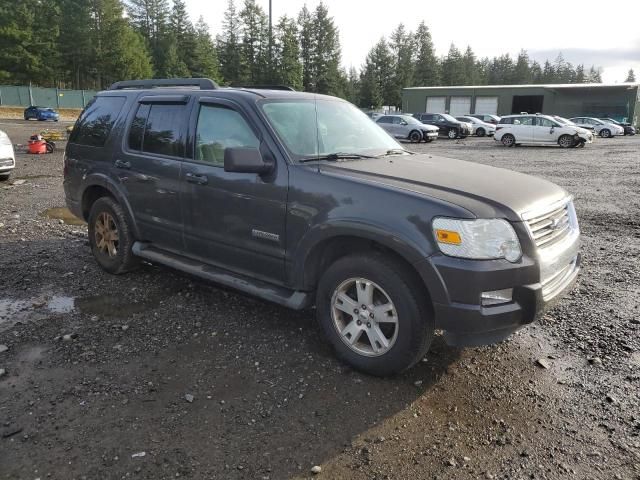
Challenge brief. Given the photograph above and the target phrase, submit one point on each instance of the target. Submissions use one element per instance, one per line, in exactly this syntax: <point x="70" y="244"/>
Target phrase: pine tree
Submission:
<point x="595" y="75"/>
<point x="231" y="67"/>
<point x="288" y="68"/>
<point x="631" y="76"/>
<point x="325" y="56"/>
<point x="470" y="67"/>
<point x="306" y="40"/>
<point x="536" y="73"/>
<point x="19" y="58"/>
<point x="402" y="49"/>
<point x="580" y="76"/>
<point x="522" y="70"/>
<point x="352" y="86"/>
<point x="254" y="45"/>
<point x="548" y="73"/>
<point x="183" y="33"/>
<point x="206" y="63"/>
<point x="453" y="67"/>
<point x="75" y="42"/>
<point x="427" y="67"/>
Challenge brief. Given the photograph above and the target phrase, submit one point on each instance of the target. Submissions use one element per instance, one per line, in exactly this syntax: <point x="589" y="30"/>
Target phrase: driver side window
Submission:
<point x="220" y="128"/>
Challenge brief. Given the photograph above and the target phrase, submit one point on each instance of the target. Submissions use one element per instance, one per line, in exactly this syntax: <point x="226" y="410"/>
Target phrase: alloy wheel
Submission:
<point x="106" y="234"/>
<point x="364" y="316"/>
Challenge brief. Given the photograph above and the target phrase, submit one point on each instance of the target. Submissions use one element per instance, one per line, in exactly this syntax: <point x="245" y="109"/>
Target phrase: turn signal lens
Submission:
<point x="448" y="236"/>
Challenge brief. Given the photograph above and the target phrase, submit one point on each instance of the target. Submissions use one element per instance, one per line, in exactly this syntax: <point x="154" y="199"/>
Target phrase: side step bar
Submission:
<point x="289" y="298"/>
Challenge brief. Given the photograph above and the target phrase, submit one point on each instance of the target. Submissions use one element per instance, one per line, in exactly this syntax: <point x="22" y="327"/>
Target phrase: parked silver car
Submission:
<point x="408" y="128"/>
<point x="605" y="130"/>
<point x="478" y="127"/>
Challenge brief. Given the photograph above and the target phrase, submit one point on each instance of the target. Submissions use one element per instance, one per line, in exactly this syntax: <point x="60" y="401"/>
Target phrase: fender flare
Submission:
<point x="415" y="254"/>
<point x="106" y="182"/>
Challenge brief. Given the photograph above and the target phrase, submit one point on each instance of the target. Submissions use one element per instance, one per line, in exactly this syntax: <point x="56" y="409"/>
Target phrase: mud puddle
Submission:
<point x="63" y="213"/>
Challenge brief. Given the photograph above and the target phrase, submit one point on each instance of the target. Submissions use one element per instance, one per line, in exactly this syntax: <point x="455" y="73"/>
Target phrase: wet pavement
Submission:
<point x="99" y="369"/>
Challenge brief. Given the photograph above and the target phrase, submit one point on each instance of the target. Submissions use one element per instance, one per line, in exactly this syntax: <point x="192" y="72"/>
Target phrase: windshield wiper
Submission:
<point x="335" y="157"/>
<point x="395" y="151"/>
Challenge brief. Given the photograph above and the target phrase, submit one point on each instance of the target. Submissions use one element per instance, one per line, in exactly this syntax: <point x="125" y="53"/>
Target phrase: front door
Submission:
<point x="233" y="220"/>
<point x="546" y="131"/>
<point x="523" y="129"/>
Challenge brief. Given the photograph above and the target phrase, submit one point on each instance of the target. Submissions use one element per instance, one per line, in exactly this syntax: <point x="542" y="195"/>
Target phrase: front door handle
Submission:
<point x="122" y="164"/>
<point x="198" y="179"/>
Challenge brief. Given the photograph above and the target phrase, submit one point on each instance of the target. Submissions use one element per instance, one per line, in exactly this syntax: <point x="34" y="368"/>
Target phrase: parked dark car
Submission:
<point x="628" y="128"/>
<point x="41" y="113"/>
<point x="298" y="199"/>
<point x="449" y="126"/>
<point x="493" y="119"/>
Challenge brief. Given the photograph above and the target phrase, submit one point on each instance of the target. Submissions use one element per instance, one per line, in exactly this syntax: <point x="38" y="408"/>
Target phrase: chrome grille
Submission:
<point x="550" y="228"/>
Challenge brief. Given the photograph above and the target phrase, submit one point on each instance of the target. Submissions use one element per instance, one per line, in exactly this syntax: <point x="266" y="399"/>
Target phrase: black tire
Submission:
<point x="481" y="132"/>
<point x="415" y="136"/>
<point x="566" y="141"/>
<point x="50" y="147"/>
<point x="508" y="140"/>
<point x="123" y="260"/>
<point x="452" y="133"/>
<point x="605" y="133"/>
<point x="4" y="177"/>
<point x="415" y="320"/>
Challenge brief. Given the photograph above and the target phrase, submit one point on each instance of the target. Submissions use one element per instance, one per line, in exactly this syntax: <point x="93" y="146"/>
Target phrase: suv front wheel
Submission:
<point x="110" y="236"/>
<point x="453" y="133"/>
<point x="374" y="314"/>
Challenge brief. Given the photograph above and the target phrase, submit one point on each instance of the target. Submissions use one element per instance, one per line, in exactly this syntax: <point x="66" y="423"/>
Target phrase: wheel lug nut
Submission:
<point x="371" y="315"/>
<point x="364" y="307"/>
<point x="356" y="311"/>
<point x="359" y="322"/>
<point x="368" y="325"/>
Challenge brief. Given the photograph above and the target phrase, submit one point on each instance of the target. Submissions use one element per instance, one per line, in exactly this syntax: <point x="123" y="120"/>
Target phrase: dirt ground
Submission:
<point x="99" y="370"/>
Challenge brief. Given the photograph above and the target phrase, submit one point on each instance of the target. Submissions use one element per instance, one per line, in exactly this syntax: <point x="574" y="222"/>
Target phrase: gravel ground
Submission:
<point x="155" y="375"/>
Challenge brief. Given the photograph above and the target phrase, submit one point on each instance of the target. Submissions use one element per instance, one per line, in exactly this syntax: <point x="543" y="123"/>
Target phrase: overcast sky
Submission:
<point x="584" y="31"/>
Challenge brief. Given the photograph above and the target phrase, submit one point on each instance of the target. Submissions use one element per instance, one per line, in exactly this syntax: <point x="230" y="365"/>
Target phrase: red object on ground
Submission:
<point x="37" y="146"/>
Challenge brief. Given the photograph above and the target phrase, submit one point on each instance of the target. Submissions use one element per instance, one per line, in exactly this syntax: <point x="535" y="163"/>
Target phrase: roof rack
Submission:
<point x="202" y="83"/>
<point x="266" y="87"/>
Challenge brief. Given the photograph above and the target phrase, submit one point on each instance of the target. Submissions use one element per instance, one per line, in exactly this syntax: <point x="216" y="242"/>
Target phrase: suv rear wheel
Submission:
<point x="110" y="236"/>
<point x="373" y="314"/>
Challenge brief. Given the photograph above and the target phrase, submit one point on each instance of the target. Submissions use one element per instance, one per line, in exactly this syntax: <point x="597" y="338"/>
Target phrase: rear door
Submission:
<point x="386" y="122"/>
<point x="523" y="129"/>
<point x="233" y="220"/>
<point x="149" y="167"/>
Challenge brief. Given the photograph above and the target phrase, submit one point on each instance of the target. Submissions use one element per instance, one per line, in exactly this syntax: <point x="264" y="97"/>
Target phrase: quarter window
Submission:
<point x="95" y="124"/>
<point x="545" y="122"/>
<point x="162" y="130"/>
<point x="219" y="128"/>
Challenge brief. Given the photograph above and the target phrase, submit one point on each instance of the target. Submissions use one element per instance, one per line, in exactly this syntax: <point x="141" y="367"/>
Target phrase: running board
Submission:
<point x="289" y="298"/>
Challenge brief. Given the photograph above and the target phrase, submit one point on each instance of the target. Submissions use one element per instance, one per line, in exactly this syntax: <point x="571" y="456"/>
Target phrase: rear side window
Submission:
<point x="156" y="128"/>
<point x="506" y="121"/>
<point x="385" y="120"/>
<point x="94" y="126"/>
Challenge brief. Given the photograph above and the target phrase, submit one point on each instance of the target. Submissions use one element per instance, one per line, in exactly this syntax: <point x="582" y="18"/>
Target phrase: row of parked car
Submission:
<point x="510" y="130"/>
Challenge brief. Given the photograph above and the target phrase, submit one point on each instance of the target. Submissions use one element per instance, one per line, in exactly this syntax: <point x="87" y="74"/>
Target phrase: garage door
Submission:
<point x="487" y="105"/>
<point x="435" y="104"/>
<point x="460" y="106"/>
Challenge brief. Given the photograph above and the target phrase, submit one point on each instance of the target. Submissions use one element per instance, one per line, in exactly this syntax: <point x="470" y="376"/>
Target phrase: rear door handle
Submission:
<point x="199" y="179"/>
<point x="122" y="164"/>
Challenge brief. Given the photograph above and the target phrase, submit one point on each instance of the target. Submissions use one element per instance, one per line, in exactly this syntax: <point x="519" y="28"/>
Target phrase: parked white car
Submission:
<point x="604" y="129"/>
<point x="478" y="127"/>
<point x="516" y="129"/>
<point x="7" y="156"/>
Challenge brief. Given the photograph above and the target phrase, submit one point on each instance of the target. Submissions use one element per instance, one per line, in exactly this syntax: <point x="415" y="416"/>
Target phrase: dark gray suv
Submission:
<point x="298" y="199"/>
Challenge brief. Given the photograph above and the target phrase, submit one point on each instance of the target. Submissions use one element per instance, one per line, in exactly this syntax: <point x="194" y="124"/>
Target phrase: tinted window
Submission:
<point x="94" y="125"/>
<point x="137" y="127"/>
<point x="162" y="131"/>
<point x="397" y="120"/>
<point x="426" y="117"/>
<point x="385" y="120"/>
<point x="506" y="121"/>
<point x="220" y="128"/>
<point x="528" y="121"/>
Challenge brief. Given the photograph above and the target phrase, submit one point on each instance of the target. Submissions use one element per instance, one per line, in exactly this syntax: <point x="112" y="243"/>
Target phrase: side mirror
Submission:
<point x="403" y="123"/>
<point x="245" y="160"/>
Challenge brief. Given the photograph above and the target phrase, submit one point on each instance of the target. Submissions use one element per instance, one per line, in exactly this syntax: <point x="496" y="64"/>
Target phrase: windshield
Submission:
<point x="411" y="120"/>
<point x="310" y="128"/>
<point x="610" y="120"/>
<point x="448" y="117"/>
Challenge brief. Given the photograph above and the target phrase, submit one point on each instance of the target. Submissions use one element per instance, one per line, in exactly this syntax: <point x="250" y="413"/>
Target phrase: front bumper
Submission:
<point x="467" y="322"/>
<point x="430" y="134"/>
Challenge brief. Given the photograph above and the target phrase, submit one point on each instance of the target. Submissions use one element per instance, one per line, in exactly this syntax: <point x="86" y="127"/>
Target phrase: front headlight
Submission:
<point x="482" y="239"/>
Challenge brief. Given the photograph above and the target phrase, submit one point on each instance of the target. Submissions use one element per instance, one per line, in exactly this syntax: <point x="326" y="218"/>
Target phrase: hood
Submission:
<point x="486" y="192"/>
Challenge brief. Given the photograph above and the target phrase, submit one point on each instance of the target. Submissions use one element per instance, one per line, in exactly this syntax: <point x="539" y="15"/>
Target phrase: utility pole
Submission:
<point x="270" y="41"/>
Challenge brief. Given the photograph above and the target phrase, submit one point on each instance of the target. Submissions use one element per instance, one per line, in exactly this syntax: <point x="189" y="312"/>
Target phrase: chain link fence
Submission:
<point x="25" y="96"/>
